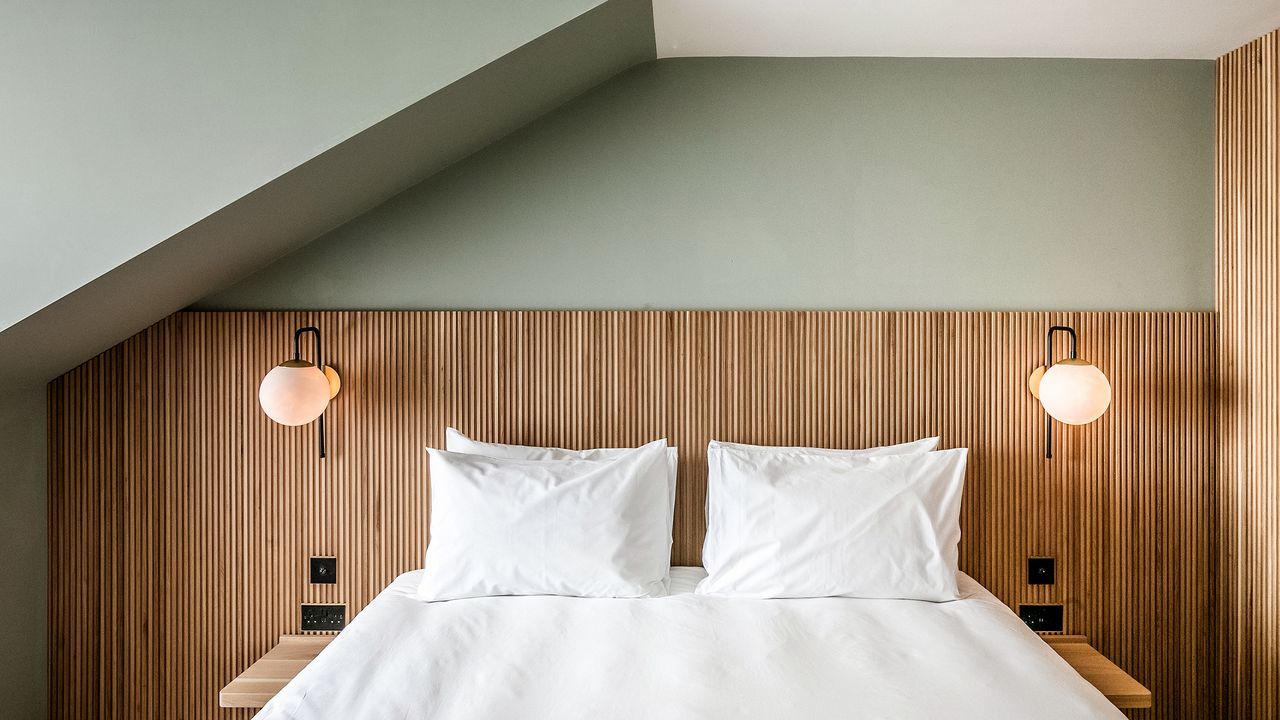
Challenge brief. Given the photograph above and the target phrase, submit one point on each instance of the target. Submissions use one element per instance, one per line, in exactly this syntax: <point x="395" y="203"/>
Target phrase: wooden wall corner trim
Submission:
<point x="1247" y="248"/>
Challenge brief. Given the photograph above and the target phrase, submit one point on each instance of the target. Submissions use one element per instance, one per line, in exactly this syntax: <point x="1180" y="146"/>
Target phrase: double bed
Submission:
<point x="686" y="655"/>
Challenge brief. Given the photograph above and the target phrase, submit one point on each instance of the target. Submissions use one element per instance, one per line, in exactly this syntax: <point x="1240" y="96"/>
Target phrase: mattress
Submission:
<point x="686" y="656"/>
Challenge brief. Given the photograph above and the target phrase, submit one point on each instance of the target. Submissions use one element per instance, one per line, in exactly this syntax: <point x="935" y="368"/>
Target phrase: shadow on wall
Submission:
<point x="24" y="537"/>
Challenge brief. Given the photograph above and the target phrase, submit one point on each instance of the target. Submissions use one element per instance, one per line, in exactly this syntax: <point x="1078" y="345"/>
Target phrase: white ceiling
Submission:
<point x="960" y="28"/>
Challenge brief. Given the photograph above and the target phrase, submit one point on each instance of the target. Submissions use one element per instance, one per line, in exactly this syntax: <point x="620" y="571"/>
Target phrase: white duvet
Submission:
<point x="686" y="656"/>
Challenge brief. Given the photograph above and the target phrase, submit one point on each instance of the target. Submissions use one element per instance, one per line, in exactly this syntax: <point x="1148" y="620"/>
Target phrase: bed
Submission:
<point x="686" y="656"/>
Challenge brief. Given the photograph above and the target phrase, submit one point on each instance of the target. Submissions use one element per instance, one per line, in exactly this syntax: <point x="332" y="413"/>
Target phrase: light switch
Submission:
<point x="324" y="570"/>
<point x="1040" y="571"/>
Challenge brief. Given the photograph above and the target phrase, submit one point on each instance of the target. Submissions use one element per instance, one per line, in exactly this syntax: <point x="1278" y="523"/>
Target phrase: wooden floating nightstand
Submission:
<point x="266" y="677"/>
<point x="1121" y="689"/>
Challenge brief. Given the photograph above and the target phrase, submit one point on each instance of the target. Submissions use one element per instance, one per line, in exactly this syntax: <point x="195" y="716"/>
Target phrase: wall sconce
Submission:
<point x="296" y="392"/>
<point x="1072" y="391"/>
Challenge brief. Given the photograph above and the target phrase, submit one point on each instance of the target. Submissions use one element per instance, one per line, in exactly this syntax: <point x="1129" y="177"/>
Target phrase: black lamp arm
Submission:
<point x="1048" y="363"/>
<point x="297" y="338"/>
<point x="297" y="355"/>
<point x="1048" y="343"/>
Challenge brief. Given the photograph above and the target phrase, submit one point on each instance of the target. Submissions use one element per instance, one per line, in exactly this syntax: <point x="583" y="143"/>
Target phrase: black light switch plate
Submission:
<point x="324" y="570"/>
<point x="1042" y="618"/>
<point x="323" y="618"/>
<point x="1039" y="571"/>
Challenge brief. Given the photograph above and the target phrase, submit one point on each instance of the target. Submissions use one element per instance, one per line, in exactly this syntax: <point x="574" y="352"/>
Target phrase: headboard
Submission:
<point x="181" y="518"/>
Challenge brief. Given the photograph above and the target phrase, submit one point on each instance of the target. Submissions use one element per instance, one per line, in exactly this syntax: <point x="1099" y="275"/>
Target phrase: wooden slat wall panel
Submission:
<point x="181" y="517"/>
<point x="1248" y="299"/>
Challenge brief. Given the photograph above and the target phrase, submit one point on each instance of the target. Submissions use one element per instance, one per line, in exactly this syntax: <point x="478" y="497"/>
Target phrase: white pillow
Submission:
<point x="797" y="524"/>
<point x="923" y="445"/>
<point x="455" y="441"/>
<point x="713" y="542"/>
<point x="588" y="528"/>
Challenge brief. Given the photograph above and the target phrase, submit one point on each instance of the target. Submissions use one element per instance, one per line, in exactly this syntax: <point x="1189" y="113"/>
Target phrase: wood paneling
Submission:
<point x="181" y="518"/>
<point x="1248" y="290"/>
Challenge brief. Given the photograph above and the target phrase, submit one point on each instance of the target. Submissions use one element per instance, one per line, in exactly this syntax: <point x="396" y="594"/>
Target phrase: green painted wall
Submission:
<point x="127" y="121"/>
<point x="24" y="538"/>
<point x="806" y="183"/>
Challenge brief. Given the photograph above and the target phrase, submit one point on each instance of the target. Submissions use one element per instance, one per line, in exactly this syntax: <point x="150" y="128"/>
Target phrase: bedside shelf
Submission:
<point x="1121" y="689"/>
<point x="266" y="677"/>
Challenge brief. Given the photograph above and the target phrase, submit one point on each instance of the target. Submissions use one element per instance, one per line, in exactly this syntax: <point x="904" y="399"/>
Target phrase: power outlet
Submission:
<point x="324" y="570"/>
<point x="1042" y="618"/>
<point x="323" y="617"/>
<point x="1039" y="571"/>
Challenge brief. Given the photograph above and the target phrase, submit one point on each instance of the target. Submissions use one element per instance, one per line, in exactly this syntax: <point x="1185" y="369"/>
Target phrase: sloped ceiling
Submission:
<point x="325" y="191"/>
<point x="1180" y="29"/>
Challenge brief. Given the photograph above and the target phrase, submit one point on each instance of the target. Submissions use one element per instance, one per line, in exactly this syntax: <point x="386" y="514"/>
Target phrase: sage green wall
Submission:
<point x="24" y="538"/>
<point x="126" y="121"/>
<point x="806" y="183"/>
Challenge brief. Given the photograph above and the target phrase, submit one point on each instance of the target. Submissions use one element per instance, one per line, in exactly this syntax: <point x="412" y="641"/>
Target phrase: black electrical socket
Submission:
<point x="324" y="570"/>
<point x="1042" y="618"/>
<point x="323" y="618"/>
<point x="1039" y="571"/>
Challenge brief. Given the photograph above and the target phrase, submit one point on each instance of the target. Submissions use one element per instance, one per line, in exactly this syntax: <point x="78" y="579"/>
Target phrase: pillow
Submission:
<point x="455" y="441"/>
<point x="712" y="542"/>
<point x="587" y="528"/>
<point x="788" y="525"/>
<point x="910" y="448"/>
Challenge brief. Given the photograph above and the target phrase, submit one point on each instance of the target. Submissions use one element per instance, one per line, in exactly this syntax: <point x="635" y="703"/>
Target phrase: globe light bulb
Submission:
<point x="294" y="393"/>
<point x="1074" y="392"/>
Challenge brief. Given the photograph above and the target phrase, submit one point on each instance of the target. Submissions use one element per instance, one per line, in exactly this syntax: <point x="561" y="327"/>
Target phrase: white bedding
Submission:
<point x="686" y="656"/>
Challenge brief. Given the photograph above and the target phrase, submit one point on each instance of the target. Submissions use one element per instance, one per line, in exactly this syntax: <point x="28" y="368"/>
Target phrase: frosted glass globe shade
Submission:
<point x="294" y="393"/>
<point x="1075" y="392"/>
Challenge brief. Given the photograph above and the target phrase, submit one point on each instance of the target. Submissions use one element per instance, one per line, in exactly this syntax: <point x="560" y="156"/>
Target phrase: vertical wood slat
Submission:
<point x="1247" y="239"/>
<point x="181" y="517"/>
